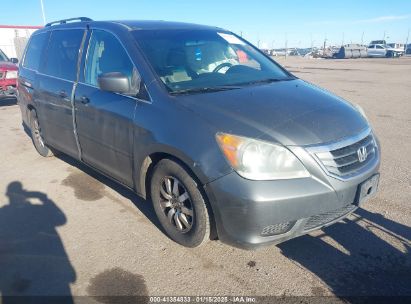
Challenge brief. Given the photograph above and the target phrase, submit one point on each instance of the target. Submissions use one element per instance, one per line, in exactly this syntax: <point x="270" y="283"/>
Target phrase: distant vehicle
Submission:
<point x="273" y="53"/>
<point x="398" y="47"/>
<point x="295" y="52"/>
<point x="381" y="50"/>
<point x="280" y="52"/>
<point x="266" y="51"/>
<point x="8" y="75"/>
<point x="305" y="51"/>
<point x="383" y="42"/>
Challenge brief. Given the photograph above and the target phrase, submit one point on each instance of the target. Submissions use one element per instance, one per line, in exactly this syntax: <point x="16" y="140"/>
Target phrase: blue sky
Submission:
<point x="269" y="23"/>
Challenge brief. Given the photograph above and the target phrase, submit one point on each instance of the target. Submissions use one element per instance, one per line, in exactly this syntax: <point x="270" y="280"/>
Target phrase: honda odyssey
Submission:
<point x="221" y="139"/>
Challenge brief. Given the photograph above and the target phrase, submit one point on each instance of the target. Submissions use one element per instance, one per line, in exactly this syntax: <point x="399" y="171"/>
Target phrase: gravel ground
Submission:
<point x="65" y="230"/>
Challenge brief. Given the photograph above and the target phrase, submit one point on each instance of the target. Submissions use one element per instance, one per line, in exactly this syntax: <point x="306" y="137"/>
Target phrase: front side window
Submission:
<point x="62" y="54"/>
<point x="105" y="55"/>
<point x="203" y="59"/>
<point x="35" y="51"/>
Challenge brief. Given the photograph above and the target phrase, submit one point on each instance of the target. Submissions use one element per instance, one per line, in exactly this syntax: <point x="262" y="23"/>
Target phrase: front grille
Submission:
<point x="277" y="228"/>
<point x="319" y="220"/>
<point x="344" y="160"/>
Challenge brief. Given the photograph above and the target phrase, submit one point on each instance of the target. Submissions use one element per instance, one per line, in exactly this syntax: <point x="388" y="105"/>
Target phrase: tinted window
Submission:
<point x="62" y="53"/>
<point x="379" y="47"/>
<point x="106" y="54"/>
<point x="34" y="51"/>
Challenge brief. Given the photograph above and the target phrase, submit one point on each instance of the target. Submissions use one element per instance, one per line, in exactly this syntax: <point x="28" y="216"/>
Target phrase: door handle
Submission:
<point x="62" y="94"/>
<point x="84" y="99"/>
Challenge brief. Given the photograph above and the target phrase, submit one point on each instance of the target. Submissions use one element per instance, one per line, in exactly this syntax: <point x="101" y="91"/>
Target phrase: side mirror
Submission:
<point x="114" y="82"/>
<point x="14" y="60"/>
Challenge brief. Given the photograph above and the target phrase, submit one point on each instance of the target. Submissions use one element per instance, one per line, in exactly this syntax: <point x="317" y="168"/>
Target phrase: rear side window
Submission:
<point x="34" y="51"/>
<point x="62" y="54"/>
<point x="106" y="54"/>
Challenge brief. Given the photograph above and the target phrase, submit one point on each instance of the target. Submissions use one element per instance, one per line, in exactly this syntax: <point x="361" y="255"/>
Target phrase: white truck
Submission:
<point x="383" y="50"/>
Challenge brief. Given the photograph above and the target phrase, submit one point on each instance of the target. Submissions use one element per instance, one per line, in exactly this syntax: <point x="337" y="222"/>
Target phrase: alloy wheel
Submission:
<point x="176" y="204"/>
<point x="37" y="132"/>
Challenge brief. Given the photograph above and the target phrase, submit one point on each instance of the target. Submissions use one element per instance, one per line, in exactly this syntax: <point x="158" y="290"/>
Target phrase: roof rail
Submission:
<point x="63" y="21"/>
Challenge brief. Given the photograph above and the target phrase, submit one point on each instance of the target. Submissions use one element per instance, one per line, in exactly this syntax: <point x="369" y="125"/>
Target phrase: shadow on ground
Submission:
<point x="371" y="256"/>
<point x="33" y="260"/>
<point x="143" y="205"/>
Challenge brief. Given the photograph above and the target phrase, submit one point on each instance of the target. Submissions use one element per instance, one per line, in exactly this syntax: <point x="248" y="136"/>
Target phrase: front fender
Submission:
<point x="177" y="132"/>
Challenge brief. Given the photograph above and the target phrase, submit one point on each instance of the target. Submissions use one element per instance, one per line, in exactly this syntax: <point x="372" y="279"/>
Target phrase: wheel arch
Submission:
<point x="30" y="108"/>
<point x="147" y="168"/>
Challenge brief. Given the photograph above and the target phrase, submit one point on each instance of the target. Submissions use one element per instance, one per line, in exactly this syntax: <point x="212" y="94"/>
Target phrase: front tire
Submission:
<point x="37" y="137"/>
<point x="179" y="204"/>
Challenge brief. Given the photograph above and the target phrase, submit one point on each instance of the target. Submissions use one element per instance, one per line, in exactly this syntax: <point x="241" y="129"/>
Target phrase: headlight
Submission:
<point x="11" y="74"/>
<point x="259" y="160"/>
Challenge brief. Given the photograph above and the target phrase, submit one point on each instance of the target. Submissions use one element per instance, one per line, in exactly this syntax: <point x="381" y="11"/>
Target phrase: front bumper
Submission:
<point x="8" y="87"/>
<point x="250" y="213"/>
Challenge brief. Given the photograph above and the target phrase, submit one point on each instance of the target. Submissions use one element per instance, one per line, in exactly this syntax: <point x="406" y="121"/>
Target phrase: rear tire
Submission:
<point x="36" y="136"/>
<point x="179" y="204"/>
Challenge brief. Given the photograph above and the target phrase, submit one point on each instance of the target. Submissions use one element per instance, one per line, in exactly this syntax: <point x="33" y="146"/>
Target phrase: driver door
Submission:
<point x="104" y="120"/>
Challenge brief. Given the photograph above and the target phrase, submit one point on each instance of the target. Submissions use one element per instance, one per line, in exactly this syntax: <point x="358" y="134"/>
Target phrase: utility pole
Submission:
<point x="42" y="12"/>
<point x="312" y="41"/>
<point x="406" y="42"/>
<point x="342" y="43"/>
<point x="362" y="38"/>
<point x="286" y="46"/>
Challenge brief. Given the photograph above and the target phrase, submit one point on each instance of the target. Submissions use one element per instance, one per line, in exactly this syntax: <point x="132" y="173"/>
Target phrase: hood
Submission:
<point x="7" y="66"/>
<point x="289" y="112"/>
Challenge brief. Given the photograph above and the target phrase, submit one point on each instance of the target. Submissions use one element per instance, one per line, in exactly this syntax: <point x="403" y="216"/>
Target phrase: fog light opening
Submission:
<point x="277" y="229"/>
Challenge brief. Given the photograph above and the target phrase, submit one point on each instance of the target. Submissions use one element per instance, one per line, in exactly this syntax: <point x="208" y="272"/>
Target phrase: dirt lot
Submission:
<point x="71" y="231"/>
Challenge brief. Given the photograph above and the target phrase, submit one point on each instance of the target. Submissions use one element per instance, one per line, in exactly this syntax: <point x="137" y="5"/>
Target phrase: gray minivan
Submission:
<point x="221" y="139"/>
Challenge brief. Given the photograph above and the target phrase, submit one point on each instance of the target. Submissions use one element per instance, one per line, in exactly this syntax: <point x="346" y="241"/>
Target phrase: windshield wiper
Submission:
<point x="267" y="80"/>
<point x="205" y="90"/>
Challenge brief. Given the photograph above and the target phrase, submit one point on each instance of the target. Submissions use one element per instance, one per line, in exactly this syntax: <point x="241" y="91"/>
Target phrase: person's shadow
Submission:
<point x="33" y="261"/>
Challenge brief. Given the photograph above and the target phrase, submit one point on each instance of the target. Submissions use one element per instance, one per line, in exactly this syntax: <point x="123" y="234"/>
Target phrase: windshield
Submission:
<point x="3" y="56"/>
<point x="195" y="60"/>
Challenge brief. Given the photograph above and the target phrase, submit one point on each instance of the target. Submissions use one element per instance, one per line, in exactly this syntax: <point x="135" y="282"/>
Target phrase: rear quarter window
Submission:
<point x="62" y="54"/>
<point x="35" y="50"/>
